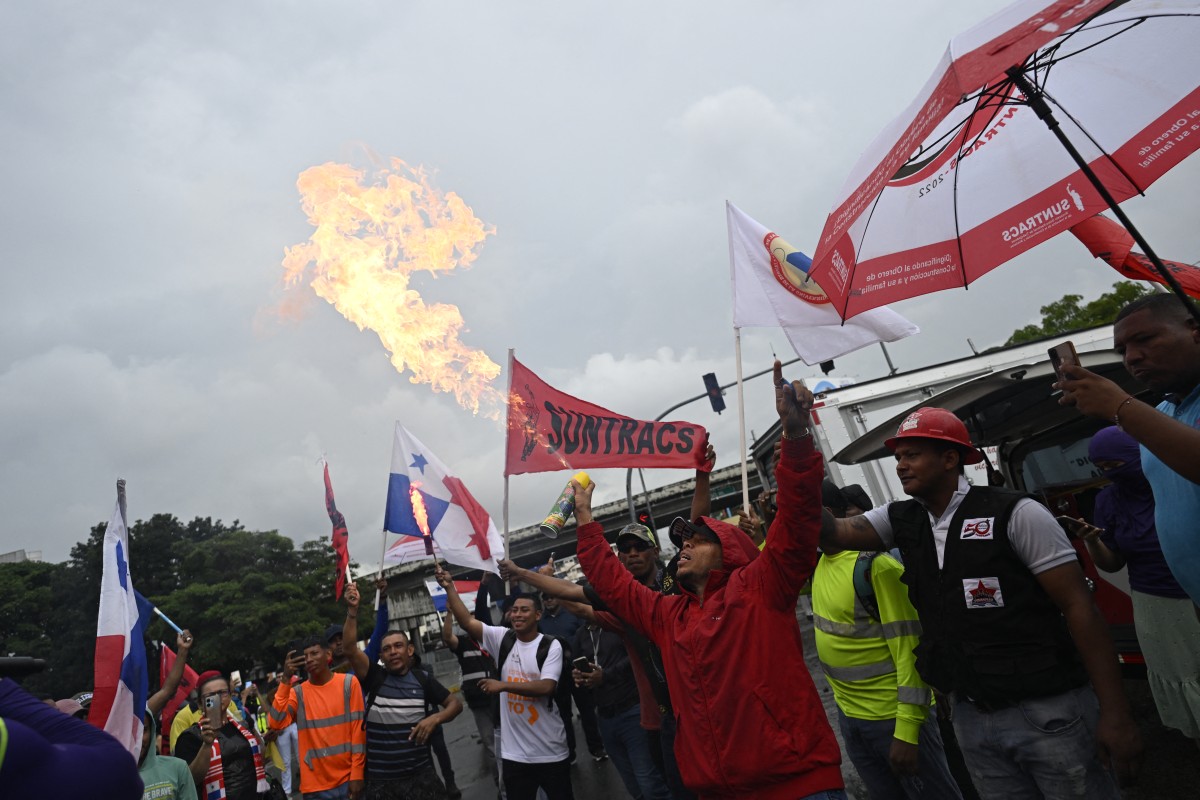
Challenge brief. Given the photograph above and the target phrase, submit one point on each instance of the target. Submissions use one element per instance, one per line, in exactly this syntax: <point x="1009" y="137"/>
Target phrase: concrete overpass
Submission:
<point x="410" y="607"/>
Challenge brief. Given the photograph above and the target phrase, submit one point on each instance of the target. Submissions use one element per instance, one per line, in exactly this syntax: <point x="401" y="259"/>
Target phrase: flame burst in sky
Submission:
<point x="372" y="233"/>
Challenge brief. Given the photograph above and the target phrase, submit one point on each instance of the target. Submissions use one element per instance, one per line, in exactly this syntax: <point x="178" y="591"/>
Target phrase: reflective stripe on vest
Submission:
<point x="913" y="696"/>
<point x="859" y="672"/>
<point x="848" y="630"/>
<point x="304" y="723"/>
<point x="334" y="750"/>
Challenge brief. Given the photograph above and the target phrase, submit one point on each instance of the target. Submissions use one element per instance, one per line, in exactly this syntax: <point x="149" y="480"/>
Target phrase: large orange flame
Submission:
<point x="419" y="511"/>
<point x="371" y="235"/>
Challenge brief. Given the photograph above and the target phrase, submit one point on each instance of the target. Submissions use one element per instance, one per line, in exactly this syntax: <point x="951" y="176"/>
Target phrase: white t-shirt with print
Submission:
<point x="530" y="730"/>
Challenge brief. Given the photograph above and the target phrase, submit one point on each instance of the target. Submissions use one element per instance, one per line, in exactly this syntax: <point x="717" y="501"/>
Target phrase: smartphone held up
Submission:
<point x="1062" y="355"/>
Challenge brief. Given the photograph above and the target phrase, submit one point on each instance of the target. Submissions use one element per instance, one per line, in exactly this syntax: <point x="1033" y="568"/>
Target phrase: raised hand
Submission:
<point x="793" y="401"/>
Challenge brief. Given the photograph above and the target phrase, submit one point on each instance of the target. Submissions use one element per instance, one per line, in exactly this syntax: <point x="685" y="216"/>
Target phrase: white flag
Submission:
<point x="771" y="288"/>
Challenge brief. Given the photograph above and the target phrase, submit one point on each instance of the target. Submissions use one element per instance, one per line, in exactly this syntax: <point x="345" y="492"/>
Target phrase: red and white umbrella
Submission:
<point x="969" y="176"/>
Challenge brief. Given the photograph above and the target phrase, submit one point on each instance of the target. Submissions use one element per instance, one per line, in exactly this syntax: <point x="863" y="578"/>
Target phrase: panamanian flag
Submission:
<point x="119" y="699"/>
<point x="467" y="590"/>
<point x="452" y="519"/>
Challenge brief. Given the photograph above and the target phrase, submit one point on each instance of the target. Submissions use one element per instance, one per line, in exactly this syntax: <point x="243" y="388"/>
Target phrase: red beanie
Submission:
<point x="205" y="677"/>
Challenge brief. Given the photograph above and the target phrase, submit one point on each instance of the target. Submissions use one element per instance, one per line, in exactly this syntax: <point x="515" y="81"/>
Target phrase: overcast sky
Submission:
<point x="150" y="156"/>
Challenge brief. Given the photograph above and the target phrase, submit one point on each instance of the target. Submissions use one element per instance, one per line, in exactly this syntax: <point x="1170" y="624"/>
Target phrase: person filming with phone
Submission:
<point x="602" y="667"/>
<point x="328" y="710"/>
<point x="224" y="754"/>
<point x="1159" y="341"/>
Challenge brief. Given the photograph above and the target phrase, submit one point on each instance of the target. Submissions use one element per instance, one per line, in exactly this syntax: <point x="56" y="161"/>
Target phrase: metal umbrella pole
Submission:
<point x="1037" y="101"/>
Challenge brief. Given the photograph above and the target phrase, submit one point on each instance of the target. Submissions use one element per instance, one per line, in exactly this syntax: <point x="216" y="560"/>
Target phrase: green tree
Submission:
<point x="243" y="594"/>
<point x="1066" y="315"/>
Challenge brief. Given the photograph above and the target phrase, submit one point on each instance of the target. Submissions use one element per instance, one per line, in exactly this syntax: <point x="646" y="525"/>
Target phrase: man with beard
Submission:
<point x="400" y="715"/>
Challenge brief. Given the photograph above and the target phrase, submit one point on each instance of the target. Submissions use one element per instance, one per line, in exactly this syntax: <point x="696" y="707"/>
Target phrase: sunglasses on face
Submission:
<point x="633" y="545"/>
<point x="699" y="536"/>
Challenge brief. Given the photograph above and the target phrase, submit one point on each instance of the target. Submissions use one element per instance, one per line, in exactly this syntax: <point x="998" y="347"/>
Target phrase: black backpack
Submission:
<point x="543" y="649"/>
<point x="862" y="582"/>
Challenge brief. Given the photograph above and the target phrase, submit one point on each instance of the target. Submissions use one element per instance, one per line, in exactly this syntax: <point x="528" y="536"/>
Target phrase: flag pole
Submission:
<point x="507" y="433"/>
<point x="121" y="503"/>
<point x="737" y="346"/>
<point x="382" y="556"/>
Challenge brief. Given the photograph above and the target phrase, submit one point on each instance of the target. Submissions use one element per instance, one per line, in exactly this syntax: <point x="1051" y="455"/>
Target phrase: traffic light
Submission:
<point x="644" y="518"/>
<point x="714" y="392"/>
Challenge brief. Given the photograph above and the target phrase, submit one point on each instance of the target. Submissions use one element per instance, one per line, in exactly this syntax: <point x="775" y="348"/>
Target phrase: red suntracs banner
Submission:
<point x="549" y="430"/>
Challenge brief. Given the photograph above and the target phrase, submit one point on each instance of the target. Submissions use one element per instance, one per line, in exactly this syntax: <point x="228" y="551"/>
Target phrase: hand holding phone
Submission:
<point x="582" y="664"/>
<point x="1078" y="527"/>
<point x="1062" y="355"/>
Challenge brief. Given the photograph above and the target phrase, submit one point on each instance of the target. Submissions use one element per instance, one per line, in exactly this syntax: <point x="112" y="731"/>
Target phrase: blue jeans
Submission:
<point x="1040" y="748"/>
<point x="336" y="793"/>
<point x="869" y="743"/>
<point x="827" y="794"/>
<point x="629" y="748"/>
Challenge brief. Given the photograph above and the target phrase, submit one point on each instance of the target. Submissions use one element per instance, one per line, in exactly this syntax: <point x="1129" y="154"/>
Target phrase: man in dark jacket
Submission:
<point x="750" y="720"/>
<point x="608" y="678"/>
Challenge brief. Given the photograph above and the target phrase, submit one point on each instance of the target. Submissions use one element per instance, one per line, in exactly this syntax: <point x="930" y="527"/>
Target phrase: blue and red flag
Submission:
<point x="121" y="682"/>
<point x="341" y="537"/>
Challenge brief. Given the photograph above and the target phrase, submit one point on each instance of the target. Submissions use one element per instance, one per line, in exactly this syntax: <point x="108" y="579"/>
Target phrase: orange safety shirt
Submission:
<point x="329" y="724"/>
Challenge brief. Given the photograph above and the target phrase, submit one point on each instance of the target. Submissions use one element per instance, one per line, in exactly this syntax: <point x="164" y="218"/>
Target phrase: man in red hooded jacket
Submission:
<point x="750" y="720"/>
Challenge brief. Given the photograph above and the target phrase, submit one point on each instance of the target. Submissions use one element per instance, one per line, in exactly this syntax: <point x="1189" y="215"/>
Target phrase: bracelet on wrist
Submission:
<point x="1116" y="417"/>
<point x="806" y="434"/>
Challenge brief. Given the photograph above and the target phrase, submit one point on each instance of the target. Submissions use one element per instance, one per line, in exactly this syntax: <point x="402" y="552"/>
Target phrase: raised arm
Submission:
<point x="375" y="643"/>
<point x="455" y="605"/>
<point x="628" y="599"/>
<point x="1175" y="443"/>
<point x="702" y="496"/>
<point x="448" y="635"/>
<point x="158" y="700"/>
<point x="790" y="554"/>
<point x="547" y="584"/>
<point x="357" y="658"/>
<point x="282" y="710"/>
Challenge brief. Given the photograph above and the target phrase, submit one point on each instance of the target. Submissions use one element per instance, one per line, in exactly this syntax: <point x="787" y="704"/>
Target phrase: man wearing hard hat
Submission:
<point x="1009" y="629"/>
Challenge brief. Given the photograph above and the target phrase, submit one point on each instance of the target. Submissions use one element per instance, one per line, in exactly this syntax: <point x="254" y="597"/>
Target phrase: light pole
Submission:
<point x="659" y="418"/>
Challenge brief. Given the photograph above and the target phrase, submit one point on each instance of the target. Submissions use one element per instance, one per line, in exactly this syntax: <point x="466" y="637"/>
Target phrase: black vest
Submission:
<point x="989" y="630"/>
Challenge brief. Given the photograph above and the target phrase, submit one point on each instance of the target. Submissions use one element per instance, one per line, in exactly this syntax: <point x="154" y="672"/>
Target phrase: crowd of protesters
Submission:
<point x="969" y="661"/>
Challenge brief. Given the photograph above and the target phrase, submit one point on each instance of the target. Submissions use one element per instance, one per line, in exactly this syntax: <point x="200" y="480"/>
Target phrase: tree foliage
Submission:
<point x="1066" y="314"/>
<point x="244" y="595"/>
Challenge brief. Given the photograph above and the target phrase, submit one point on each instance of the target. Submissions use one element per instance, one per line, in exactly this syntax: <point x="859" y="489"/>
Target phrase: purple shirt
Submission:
<point x="1148" y="570"/>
